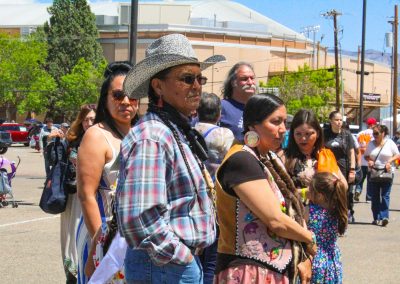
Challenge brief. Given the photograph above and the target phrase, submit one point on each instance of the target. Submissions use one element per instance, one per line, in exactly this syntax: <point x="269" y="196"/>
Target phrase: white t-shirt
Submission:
<point x="356" y="144"/>
<point x="389" y="149"/>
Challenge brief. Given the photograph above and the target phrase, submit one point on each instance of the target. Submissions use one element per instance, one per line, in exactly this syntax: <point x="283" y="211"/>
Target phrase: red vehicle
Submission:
<point x="19" y="132"/>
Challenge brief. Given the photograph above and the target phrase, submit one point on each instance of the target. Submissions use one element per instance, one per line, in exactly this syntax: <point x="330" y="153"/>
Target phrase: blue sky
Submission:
<point x="297" y="14"/>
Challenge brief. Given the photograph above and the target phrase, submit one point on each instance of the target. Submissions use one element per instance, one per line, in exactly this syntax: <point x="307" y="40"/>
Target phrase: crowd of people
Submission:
<point x="215" y="198"/>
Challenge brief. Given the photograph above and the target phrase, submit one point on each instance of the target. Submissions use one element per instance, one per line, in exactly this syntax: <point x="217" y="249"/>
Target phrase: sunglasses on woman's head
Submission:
<point x="119" y="96"/>
<point x="89" y="106"/>
<point x="189" y="79"/>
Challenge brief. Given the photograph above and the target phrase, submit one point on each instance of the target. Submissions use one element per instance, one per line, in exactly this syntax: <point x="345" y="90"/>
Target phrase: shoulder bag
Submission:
<point x="378" y="175"/>
<point x="54" y="197"/>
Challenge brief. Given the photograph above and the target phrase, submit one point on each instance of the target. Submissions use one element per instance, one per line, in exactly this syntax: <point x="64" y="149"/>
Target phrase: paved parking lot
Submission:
<point x="30" y="248"/>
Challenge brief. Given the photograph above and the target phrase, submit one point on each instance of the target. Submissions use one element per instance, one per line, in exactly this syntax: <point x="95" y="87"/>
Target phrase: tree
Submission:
<point x="71" y="34"/>
<point x="79" y="87"/>
<point x="306" y="88"/>
<point x="23" y="81"/>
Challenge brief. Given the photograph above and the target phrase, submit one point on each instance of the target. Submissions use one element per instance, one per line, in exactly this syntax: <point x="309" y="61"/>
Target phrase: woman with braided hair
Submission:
<point x="263" y="237"/>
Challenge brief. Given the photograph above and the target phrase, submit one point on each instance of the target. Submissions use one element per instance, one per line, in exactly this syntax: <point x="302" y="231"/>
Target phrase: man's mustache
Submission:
<point x="252" y="86"/>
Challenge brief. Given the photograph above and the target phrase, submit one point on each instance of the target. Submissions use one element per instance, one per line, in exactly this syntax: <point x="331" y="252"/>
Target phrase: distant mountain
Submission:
<point x="369" y="54"/>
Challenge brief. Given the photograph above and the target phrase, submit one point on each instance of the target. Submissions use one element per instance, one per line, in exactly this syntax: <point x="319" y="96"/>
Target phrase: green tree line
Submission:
<point x="306" y="88"/>
<point x="57" y="68"/>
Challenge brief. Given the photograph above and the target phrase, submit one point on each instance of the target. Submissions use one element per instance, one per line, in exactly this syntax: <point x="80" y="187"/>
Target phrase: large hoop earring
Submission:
<point x="251" y="139"/>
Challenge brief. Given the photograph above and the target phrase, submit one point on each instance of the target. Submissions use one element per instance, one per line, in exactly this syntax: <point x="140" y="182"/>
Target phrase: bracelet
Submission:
<point x="313" y="241"/>
<point x="352" y="169"/>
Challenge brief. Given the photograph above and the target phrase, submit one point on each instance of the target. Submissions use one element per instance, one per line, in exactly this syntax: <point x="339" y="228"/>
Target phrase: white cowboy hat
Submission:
<point x="167" y="51"/>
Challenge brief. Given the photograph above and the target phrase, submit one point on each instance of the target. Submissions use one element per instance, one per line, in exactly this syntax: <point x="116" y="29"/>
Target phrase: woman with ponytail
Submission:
<point x="327" y="219"/>
<point x="96" y="178"/>
<point x="263" y="237"/>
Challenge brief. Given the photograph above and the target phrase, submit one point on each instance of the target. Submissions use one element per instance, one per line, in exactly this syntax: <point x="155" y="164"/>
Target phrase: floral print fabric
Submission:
<point x="249" y="274"/>
<point x="327" y="265"/>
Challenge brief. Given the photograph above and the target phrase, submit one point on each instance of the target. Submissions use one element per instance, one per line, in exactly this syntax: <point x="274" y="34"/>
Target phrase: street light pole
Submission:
<point x="133" y="31"/>
<point x="362" y="63"/>
<point x="314" y="30"/>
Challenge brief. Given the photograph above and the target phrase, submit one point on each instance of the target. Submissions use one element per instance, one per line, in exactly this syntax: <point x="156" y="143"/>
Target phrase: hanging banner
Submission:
<point x="371" y="97"/>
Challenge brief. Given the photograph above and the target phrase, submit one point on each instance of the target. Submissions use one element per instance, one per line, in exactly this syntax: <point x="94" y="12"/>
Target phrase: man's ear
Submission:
<point x="156" y="84"/>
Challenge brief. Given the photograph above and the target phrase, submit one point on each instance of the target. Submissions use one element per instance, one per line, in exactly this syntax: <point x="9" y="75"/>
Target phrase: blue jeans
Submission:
<point x="209" y="261"/>
<point x="359" y="186"/>
<point x="380" y="194"/>
<point x="139" y="269"/>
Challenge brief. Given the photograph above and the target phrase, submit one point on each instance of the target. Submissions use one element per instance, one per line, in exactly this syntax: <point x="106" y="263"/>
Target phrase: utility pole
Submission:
<point x="333" y="14"/>
<point x="133" y="31"/>
<point x="389" y="43"/>
<point x="341" y="85"/>
<point x="395" y="24"/>
<point x="358" y="68"/>
<point x="364" y="21"/>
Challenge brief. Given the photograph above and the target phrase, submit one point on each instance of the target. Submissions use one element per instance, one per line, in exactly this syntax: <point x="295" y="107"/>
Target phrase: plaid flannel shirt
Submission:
<point x="157" y="206"/>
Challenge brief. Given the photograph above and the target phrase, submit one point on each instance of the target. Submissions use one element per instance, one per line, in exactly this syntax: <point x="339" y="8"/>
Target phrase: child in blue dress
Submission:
<point x="327" y="219"/>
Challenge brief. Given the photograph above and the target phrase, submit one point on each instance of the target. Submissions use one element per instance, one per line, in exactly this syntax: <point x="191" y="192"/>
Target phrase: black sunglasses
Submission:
<point x="189" y="79"/>
<point x="375" y="133"/>
<point x="119" y="96"/>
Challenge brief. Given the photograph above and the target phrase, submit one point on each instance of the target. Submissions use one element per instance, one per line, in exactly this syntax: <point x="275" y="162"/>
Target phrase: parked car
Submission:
<point x="19" y="132"/>
<point x="5" y="141"/>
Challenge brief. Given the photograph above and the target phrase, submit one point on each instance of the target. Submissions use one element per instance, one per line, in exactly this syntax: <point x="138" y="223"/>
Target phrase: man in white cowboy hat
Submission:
<point x="238" y="88"/>
<point x="163" y="204"/>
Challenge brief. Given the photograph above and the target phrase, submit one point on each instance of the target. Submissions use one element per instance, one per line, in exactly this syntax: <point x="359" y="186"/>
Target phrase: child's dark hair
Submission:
<point x="335" y="194"/>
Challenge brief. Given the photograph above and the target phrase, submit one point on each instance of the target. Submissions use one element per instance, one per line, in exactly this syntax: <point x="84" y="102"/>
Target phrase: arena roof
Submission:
<point x="223" y="14"/>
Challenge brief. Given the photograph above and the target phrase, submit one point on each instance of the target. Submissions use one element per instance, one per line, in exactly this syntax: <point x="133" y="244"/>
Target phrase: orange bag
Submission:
<point x="363" y="139"/>
<point x="327" y="161"/>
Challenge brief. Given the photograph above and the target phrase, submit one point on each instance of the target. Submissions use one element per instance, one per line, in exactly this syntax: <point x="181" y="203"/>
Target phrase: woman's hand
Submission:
<point x="388" y="167"/>
<point x="352" y="176"/>
<point x="305" y="271"/>
<point x="371" y="163"/>
<point x="89" y="267"/>
<point x="311" y="248"/>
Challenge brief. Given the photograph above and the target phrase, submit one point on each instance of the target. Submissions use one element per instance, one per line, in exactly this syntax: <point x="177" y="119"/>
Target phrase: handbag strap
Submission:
<point x="379" y="152"/>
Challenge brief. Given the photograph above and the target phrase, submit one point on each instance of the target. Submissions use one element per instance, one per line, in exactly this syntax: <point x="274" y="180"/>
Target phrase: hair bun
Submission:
<point x="116" y="67"/>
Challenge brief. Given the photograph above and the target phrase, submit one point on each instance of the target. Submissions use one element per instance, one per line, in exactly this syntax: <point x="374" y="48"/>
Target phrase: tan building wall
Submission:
<point x="377" y="82"/>
<point x="266" y="58"/>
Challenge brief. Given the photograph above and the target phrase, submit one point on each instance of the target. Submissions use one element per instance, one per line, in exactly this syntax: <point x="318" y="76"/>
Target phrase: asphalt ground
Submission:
<point x="30" y="250"/>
